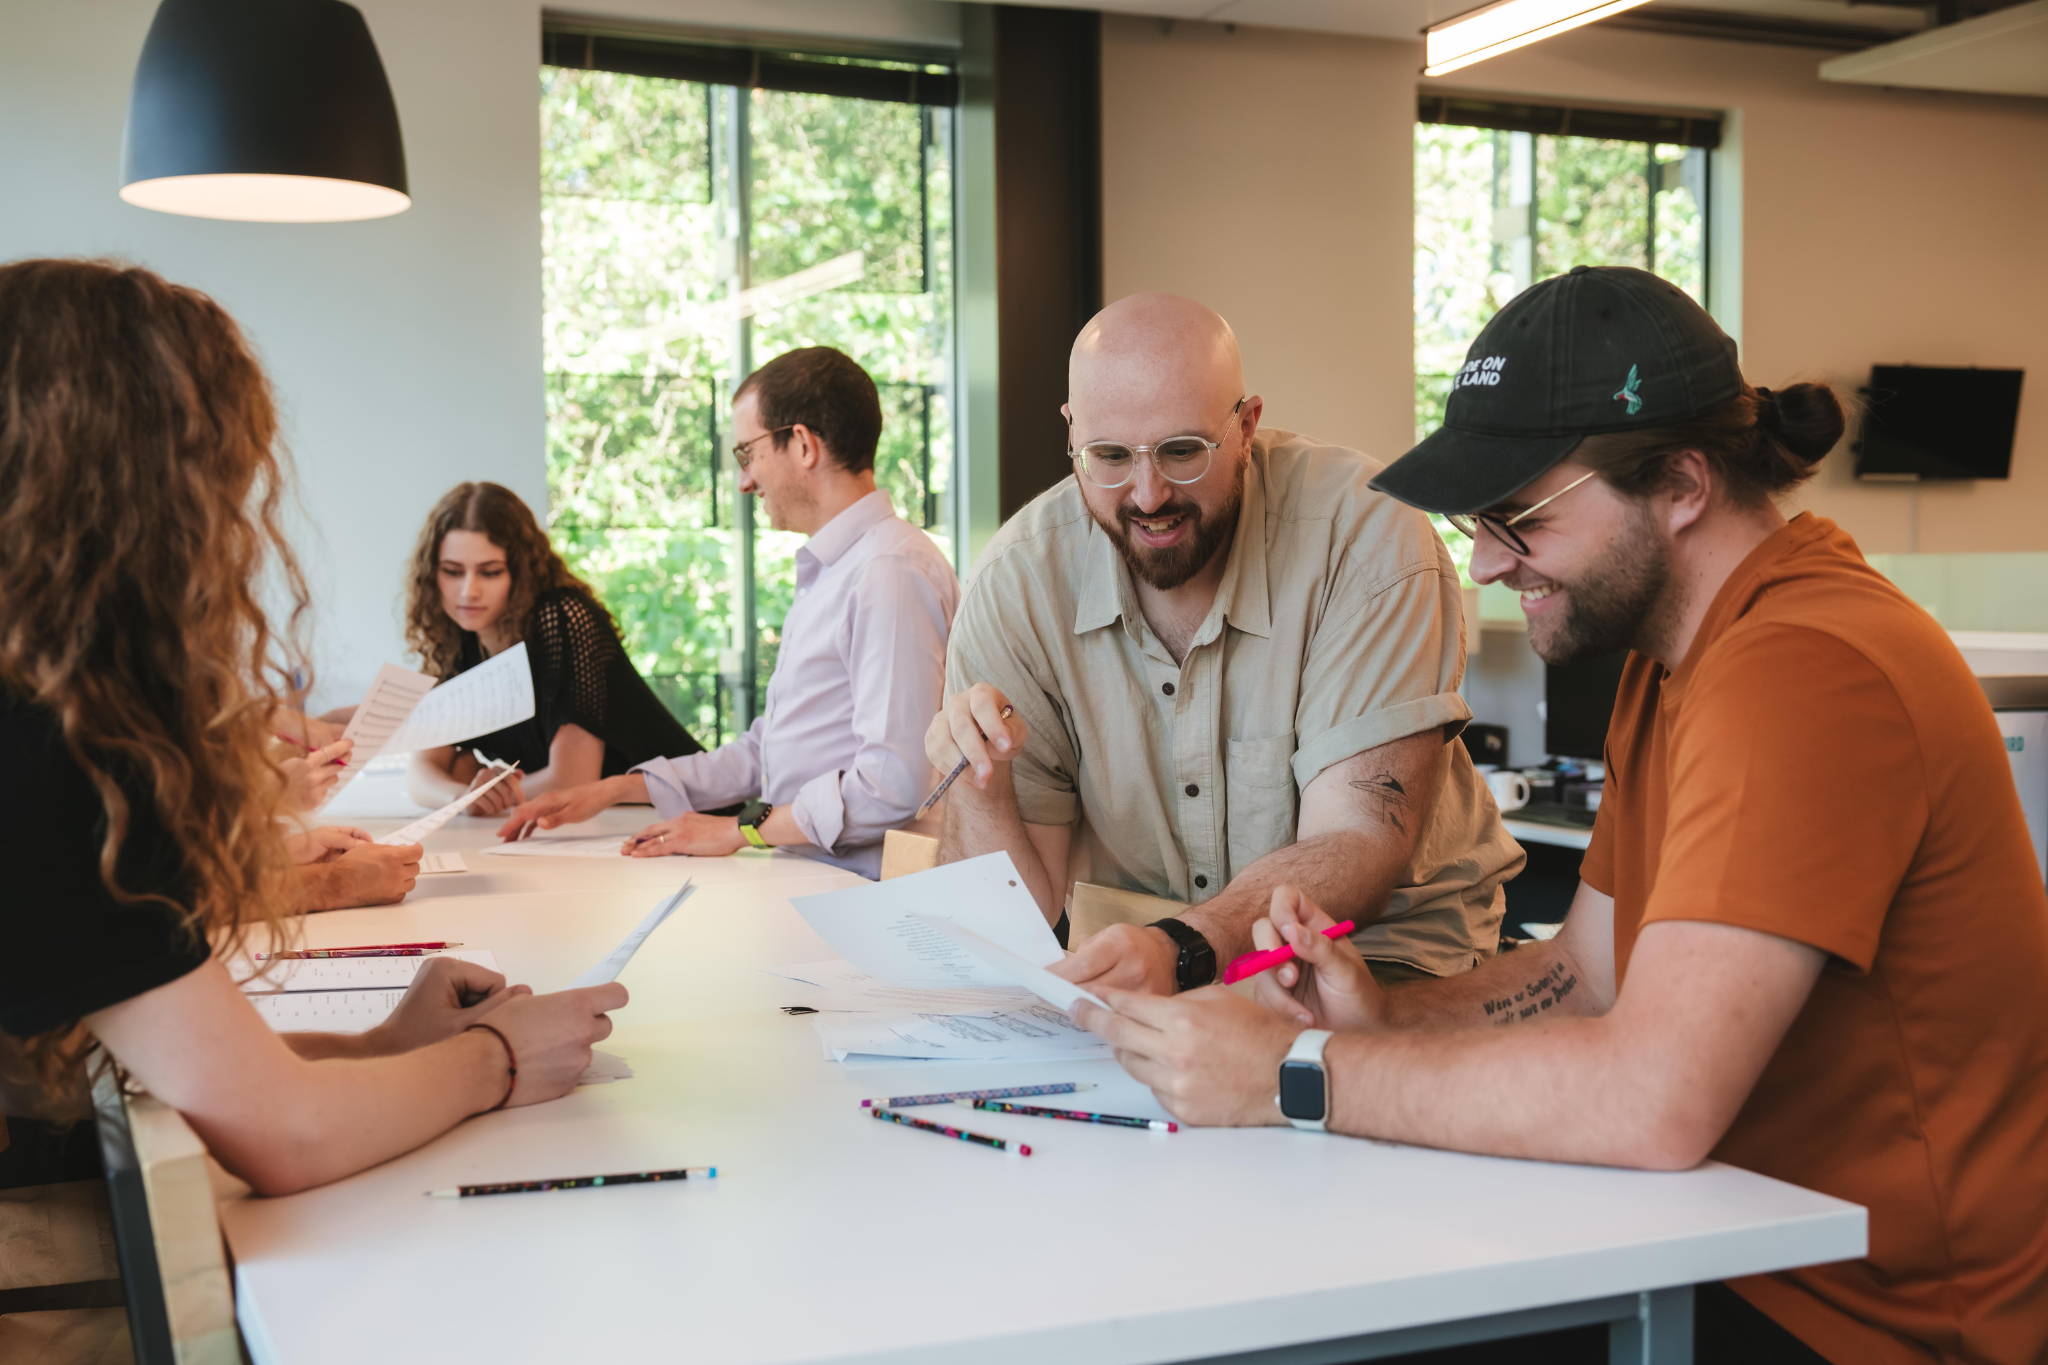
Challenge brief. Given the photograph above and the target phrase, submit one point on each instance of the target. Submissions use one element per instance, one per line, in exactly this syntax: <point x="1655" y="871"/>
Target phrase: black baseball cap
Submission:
<point x="1600" y="348"/>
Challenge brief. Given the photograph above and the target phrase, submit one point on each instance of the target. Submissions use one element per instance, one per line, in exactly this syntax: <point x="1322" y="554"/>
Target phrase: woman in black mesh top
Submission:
<point x="484" y="578"/>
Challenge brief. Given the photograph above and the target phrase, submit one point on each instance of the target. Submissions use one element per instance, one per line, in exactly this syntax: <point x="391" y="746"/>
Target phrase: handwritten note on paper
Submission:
<point x="481" y="701"/>
<point x="877" y="927"/>
<point x="615" y="962"/>
<point x="383" y="711"/>
<point x="427" y="824"/>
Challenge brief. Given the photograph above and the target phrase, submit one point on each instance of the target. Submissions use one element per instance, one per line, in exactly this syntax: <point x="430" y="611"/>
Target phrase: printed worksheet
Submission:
<point x="1034" y="1030"/>
<point x="481" y="701"/>
<point x="327" y="1011"/>
<point x="1056" y="991"/>
<point x="427" y="824"/>
<point x="835" y="984"/>
<point x="435" y="864"/>
<point x="615" y="962"/>
<point x="383" y="711"/>
<point x="880" y="928"/>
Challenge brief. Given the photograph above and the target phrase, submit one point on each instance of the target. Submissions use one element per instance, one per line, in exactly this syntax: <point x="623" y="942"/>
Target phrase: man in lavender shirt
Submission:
<point x="839" y="758"/>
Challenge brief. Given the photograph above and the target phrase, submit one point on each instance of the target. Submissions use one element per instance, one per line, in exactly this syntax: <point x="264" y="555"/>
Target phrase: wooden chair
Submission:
<point x="181" y="1302"/>
<point x="904" y="852"/>
<point x="1092" y="908"/>
<point x="60" y="1282"/>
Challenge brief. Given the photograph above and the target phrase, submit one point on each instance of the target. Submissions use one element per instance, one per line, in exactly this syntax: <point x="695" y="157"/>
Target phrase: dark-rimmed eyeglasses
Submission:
<point x="740" y="455"/>
<point x="1503" y="528"/>
<point x="1179" y="459"/>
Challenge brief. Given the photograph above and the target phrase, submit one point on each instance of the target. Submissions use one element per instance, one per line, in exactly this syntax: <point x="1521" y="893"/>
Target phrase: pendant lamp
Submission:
<point x="268" y="111"/>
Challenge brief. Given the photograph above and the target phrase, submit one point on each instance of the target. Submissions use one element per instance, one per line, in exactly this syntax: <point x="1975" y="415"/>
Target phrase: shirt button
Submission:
<point x="1193" y="790"/>
<point x="1201" y="882"/>
<point x="1167" y="688"/>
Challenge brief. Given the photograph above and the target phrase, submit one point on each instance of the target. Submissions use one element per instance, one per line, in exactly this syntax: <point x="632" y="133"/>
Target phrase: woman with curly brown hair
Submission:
<point x="484" y="578"/>
<point x="138" y="815"/>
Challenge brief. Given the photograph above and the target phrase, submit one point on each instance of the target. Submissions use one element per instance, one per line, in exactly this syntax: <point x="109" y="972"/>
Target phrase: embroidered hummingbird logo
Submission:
<point x="1628" y="392"/>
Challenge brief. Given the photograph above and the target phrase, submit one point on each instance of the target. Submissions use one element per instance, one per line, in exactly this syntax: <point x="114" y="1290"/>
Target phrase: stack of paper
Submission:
<point x="934" y="965"/>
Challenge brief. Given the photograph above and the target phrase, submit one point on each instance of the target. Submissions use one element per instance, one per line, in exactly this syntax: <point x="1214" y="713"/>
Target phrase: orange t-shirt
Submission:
<point x="1823" y="767"/>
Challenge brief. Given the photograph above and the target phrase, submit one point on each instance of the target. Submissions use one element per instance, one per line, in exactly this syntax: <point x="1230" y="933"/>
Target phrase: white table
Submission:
<point x="831" y="1237"/>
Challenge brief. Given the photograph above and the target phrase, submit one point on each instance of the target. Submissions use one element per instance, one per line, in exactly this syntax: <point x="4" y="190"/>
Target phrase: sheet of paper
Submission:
<point x="877" y="927"/>
<point x="434" y="864"/>
<point x="487" y="698"/>
<point x="605" y="1067"/>
<point x="1036" y="1030"/>
<point x="563" y="846"/>
<point x="1055" y="991"/>
<point x="383" y="711"/>
<point x="346" y="973"/>
<point x="839" y="985"/>
<point x="427" y="824"/>
<point x="326" y="1011"/>
<point x="609" y="969"/>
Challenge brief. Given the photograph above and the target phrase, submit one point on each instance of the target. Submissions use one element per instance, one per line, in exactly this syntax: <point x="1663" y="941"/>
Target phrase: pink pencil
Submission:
<point x="1251" y="964"/>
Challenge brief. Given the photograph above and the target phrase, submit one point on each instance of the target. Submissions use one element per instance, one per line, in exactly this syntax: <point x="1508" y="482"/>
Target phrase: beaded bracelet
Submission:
<point x="511" y="1064"/>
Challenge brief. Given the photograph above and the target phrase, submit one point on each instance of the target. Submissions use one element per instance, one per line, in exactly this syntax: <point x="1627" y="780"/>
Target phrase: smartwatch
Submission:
<point x="1197" y="963"/>
<point x="751" y="816"/>
<point x="1304" y="1086"/>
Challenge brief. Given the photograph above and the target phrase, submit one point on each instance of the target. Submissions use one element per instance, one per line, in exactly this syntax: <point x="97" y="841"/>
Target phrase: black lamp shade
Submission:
<point x="263" y="110"/>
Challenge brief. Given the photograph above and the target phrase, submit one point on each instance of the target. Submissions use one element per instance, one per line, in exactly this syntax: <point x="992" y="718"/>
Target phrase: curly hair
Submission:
<point x="498" y="514"/>
<point x="139" y="499"/>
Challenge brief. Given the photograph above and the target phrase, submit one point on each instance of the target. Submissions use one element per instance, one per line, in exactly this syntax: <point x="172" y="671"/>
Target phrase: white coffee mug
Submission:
<point x="1510" y="789"/>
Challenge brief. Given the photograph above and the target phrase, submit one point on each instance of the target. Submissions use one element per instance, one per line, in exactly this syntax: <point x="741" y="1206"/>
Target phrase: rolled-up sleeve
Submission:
<point x="988" y="648"/>
<point x="1386" y="671"/>
<point x="896" y="665"/>
<point x="706" y="781"/>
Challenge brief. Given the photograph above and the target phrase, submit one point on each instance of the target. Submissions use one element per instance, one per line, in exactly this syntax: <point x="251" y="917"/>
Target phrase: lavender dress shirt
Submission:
<point x="860" y="674"/>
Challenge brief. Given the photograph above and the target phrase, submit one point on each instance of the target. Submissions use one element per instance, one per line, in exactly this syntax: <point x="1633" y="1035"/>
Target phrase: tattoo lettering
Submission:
<point x="1545" y="992"/>
<point x="1392" y="796"/>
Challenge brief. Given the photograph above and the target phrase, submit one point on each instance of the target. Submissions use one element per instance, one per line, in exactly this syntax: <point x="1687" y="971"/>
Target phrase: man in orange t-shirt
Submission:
<point x="1810" y="938"/>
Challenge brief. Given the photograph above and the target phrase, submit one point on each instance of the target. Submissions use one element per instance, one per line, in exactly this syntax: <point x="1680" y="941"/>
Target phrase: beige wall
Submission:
<point x="1266" y="173"/>
<point x="1876" y="226"/>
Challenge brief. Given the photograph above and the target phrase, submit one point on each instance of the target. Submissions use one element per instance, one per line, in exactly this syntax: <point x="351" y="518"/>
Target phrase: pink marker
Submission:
<point x="1251" y="964"/>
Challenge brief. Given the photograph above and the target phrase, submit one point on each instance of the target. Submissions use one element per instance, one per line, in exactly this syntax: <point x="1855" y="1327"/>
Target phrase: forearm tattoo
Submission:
<point x="1545" y="992"/>
<point x="1392" y="796"/>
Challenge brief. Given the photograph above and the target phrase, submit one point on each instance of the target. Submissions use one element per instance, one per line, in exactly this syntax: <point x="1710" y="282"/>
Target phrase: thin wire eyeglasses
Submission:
<point x="1179" y="459"/>
<point x="740" y="456"/>
<point x="1503" y="528"/>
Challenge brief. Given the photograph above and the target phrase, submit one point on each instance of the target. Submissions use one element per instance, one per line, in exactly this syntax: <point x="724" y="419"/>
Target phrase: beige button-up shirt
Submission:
<point x="1337" y="628"/>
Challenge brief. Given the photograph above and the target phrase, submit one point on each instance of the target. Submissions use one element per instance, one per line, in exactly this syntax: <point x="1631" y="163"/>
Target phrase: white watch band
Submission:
<point x="1308" y="1047"/>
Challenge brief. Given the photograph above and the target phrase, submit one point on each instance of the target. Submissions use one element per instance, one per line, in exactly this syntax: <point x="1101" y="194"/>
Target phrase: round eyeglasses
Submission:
<point x="1503" y="528"/>
<point x="1179" y="459"/>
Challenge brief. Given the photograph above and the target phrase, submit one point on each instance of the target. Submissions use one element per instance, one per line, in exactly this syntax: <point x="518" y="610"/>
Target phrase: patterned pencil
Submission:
<point x="944" y="1130"/>
<point x="577" y="1182"/>
<point x="1015" y="1092"/>
<point x="1076" y="1115"/>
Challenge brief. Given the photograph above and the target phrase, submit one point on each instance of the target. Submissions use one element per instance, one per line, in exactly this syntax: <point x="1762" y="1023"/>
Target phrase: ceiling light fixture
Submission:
<point x="268" y="111"/>
<point x="1504" y="26"/>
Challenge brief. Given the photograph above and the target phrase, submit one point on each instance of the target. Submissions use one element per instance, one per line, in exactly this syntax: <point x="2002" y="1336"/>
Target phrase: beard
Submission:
<point x="1619" y="602"/>
<point x="1168" y="568"/>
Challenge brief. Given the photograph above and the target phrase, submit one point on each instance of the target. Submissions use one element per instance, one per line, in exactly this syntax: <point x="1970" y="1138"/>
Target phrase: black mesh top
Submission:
<point x="581" y="676"/>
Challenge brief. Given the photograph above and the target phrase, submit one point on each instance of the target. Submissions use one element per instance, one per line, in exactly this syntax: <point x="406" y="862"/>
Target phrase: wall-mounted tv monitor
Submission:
<point x="1929" y="422"/>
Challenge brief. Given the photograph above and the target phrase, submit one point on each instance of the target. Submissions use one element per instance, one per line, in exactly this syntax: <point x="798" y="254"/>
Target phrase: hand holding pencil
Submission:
<point x="976" y="729"/>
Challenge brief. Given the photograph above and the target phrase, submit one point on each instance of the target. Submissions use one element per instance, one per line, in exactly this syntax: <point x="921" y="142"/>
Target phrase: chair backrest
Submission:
<point x="1092" y="908"/>
<point x="904" y="852"/>
<point x="181" y="1302"/>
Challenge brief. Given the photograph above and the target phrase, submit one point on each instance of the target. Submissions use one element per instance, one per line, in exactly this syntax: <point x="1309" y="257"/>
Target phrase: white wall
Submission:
<point x="407" y="351"/>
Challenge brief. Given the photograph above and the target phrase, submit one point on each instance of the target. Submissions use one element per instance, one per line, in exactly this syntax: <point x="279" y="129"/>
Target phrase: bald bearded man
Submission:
<point x="1211" y="662"/>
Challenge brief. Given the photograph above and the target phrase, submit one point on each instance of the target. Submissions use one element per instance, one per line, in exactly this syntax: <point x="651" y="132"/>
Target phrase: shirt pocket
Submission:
<point x="1259" y="788"/>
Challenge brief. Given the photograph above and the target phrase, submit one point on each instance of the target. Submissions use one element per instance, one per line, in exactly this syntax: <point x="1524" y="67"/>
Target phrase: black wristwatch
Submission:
<point x="1197" y="963"/>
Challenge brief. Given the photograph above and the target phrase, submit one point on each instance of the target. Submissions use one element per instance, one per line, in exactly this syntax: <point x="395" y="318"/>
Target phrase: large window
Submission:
<point x="692" y="230"/>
